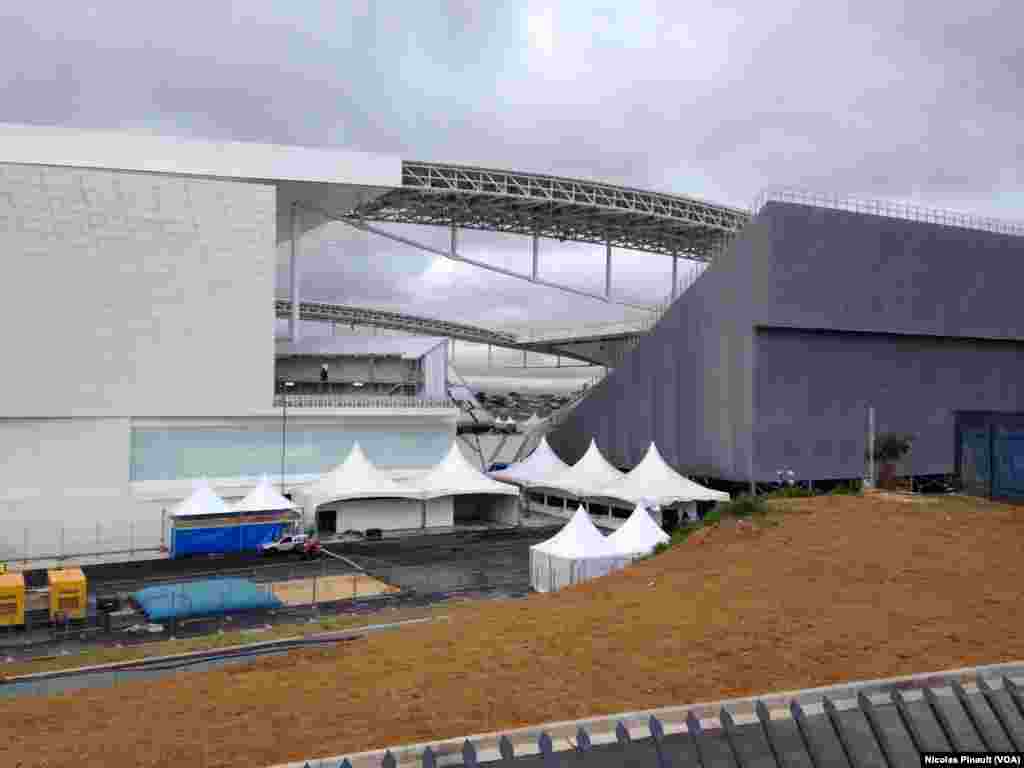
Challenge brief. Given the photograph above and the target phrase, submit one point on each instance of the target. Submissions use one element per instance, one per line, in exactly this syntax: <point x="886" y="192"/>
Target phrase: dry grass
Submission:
<point x="844" y="588"/>
<point x="112" y="655"/>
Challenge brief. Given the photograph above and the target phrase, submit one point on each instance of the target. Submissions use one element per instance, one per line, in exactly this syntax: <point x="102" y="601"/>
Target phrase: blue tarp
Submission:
<point x="221" y="540"/>
<point x="211" y="597"/>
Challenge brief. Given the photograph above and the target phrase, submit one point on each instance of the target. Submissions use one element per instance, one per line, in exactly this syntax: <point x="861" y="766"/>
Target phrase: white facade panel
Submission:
<point x="51" y="145"/>
<point x="124" y="293"/>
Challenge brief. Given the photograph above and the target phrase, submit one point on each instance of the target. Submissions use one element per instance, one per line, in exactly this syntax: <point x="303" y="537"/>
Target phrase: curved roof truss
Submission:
<point x="554" y="207"/>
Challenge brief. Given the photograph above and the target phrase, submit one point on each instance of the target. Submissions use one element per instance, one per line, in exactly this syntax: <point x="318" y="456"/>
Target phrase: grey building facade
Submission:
<point x="772" y="358"/>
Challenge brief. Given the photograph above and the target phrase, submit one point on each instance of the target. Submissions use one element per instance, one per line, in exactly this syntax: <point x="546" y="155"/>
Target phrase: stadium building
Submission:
<point x="139" y="318"/>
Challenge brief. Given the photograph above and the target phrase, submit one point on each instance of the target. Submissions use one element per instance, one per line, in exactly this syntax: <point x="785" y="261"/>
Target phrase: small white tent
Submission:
<point x="263" y="498"/>
<point x="653" y="479"/>
<point x="587" y="476"/>
<point x="539" y="465"/>
<point x="576" y="553"/>
<point x="639" y="535"/>
<point x="203" y="501"/>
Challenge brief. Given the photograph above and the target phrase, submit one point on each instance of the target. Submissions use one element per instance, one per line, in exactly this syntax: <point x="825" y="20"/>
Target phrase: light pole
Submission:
<point x="284" y="424"/>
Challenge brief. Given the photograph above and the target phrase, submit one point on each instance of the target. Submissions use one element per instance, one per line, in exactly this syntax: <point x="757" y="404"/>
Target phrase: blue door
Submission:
<point x="975" y="461"/>
<point x="1008" y="464"/>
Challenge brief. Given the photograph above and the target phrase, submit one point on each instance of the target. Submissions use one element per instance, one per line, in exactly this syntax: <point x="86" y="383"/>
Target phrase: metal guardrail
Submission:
<point x="906" y="211"/>
<point x="347" y="401"/>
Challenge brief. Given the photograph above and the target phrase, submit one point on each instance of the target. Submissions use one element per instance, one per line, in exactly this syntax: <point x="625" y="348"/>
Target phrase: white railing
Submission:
<point x="349" y="401"/>
<point x="906" y="211"/>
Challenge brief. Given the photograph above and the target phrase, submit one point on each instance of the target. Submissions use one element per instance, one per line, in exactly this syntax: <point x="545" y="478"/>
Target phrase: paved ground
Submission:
<point x="429" y="569"/>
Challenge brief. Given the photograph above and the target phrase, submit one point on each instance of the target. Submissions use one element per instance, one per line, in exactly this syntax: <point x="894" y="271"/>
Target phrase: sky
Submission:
<point x="908" y="101"/>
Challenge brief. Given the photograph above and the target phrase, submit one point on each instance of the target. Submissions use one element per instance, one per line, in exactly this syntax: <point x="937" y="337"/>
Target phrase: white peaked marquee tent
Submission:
<point x="263" y="498"/>
<point x="575" y="554"/>
<point x="455" y="476"/>
<point x="455" y="488"/>
<point x="639" y="535"/>
<point x="357" y="480"/>
<point x="539" y="465"/>
<point x="587" y="476"/>
<point x="652" y="479"/>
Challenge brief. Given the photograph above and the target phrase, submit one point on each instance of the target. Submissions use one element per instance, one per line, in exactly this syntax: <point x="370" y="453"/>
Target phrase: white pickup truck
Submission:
<point x="296" y="543"/>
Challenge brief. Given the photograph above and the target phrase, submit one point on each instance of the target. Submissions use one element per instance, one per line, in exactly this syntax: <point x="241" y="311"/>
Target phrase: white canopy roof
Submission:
<point x="263" y="498"/>
<point x="355" y="478"/>
<point x="539" y="465"/>
<point x="639" y="535"/>
<point x="455" y="475"/>
<point x="203" y="501"/>
<point x="588" y="475"/>
<point x="578" y="540"/>
<point x="653" y="479"/>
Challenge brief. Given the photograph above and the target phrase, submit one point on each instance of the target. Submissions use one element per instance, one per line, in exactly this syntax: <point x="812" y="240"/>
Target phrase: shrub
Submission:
<point x="891" y="447"/>
<point x="713" y="517"/>
<point x="791" y="492"/>
<point x="742" y="506"/>
<point x="852" y="488"/>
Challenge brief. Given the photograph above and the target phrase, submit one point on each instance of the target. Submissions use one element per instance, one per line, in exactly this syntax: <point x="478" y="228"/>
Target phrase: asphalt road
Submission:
<point x="427" y="563"/>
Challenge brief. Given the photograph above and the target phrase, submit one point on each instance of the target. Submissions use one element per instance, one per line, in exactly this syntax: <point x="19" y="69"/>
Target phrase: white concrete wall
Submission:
<point x="134" y="294"/>
<point x="386" y="514"/>
<point x="64" y="488"/>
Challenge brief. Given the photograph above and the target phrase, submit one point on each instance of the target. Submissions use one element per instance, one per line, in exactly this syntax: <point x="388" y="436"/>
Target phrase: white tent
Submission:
<point x="576" y="553"/>
<point x="653" y="479"/>
<point x="539" y="465"/>
<point x="455" y="476"/>
<point x="203" y="501"/>
<point x="263" y="498"/>
<point x="354" y="478"/>
<point x="588" y="475"/>
<point x="639" y="535"/>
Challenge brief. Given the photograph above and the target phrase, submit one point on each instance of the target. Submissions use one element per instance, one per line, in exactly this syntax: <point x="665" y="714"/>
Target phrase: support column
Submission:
<point x="293" y="329"/>
<point x="455" y="242"/>
<point x="536" y="255"/>
<point x="675" y="277"/>
<point x="608" y="271"/>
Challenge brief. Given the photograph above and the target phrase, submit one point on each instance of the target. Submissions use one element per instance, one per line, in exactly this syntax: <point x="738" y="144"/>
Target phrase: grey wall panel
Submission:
<point x="813" y="390"/>
<point x="706" y="377"/>
<point x="853" y="271"/>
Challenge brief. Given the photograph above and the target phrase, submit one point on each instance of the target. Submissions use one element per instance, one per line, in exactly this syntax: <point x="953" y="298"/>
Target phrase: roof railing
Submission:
<point x="908" y="211"/>
<point x="349" y="401"/>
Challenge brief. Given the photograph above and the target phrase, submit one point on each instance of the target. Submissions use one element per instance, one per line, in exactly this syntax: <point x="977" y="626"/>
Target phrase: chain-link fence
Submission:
<point x="49" y="541"/>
